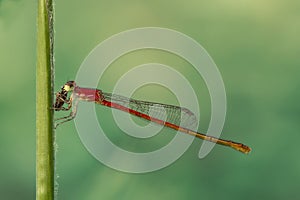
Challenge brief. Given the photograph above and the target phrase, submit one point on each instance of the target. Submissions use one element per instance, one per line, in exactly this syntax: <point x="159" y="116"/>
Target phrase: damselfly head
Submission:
<point x="69" y="86"/>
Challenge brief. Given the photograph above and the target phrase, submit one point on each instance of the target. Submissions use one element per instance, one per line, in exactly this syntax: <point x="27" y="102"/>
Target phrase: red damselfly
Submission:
<point x="71" y="94"/>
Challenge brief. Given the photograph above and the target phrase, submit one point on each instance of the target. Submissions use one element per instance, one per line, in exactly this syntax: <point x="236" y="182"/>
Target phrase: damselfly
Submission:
<point x="71" y="94"/>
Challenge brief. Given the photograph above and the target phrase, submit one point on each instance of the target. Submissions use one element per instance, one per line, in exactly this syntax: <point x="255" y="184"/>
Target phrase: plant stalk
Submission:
<point x="44" y="114"/>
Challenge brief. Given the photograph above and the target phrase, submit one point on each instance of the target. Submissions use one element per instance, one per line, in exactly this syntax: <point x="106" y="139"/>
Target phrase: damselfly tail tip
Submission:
<point x="242" y="148"/>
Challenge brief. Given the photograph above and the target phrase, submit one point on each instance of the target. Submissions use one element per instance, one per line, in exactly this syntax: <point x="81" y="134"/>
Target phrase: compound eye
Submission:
<point x="67" y="87"/>
<point x="71" y="84"/>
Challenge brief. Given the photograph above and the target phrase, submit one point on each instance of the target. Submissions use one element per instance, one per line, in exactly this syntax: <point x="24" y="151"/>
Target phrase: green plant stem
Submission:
<point x="44" y="115"/>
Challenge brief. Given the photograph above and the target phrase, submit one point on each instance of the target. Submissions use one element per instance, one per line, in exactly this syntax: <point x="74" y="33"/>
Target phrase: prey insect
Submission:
<point x="71" y="94"/>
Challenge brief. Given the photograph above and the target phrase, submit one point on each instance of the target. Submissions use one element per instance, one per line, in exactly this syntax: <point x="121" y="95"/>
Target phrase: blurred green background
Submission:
<point x="255" y="45"/>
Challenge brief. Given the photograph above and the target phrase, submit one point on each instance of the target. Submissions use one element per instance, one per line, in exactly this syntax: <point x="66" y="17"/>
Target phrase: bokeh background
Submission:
<point x="255" y="45"/>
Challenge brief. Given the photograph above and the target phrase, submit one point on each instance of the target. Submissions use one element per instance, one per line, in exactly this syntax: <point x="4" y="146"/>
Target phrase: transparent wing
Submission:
<point x="169" y="113"/>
